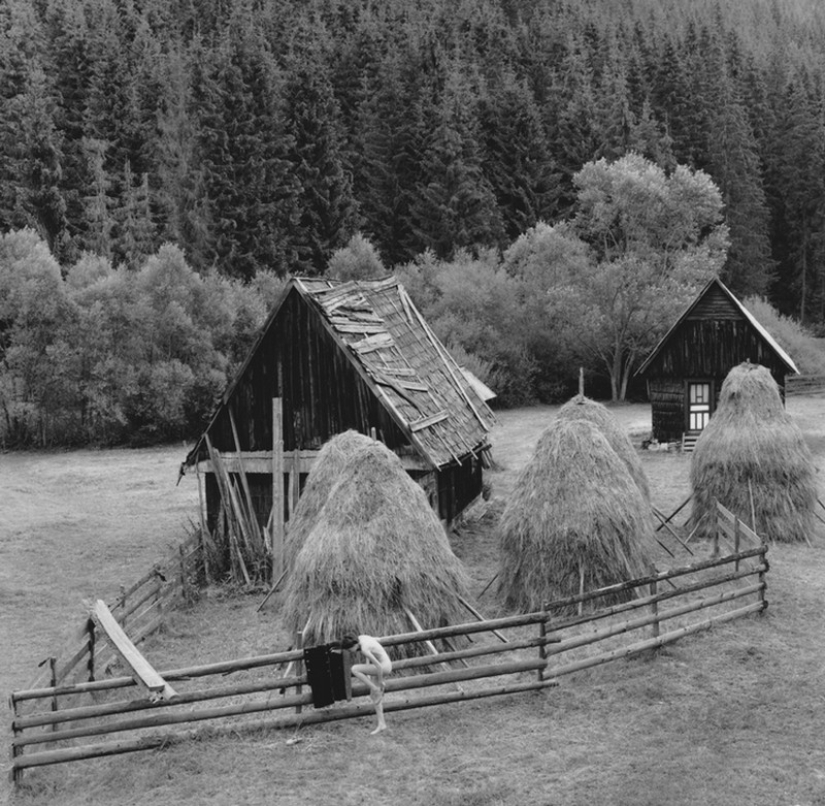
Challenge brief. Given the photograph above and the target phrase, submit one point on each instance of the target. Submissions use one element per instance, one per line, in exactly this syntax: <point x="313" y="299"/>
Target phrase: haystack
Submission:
<point x="376" y="551"/>
<point x="582" y="408"/>
<point x="752" y="458"/>
<point x="331" y="460"/>
<point x="576" y="520"/>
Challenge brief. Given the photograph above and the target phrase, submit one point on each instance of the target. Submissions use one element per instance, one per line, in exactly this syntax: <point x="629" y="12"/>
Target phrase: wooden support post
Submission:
<point x="294" y="482"/>
<point x="478" y="615"/>
<point x="271" y="591"/>
<point x="654" y="608"/>
<point x="581" y="588"/>
<point x="202" y="516"/>
<point x="492" y="580"/>
<point x="429" y="644"/>
<point x="251" y="517"/>
<point x="277" y="488"/>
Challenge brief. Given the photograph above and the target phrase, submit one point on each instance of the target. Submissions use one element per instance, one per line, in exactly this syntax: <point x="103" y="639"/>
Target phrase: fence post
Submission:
<point x="90" y="629"/>
<point x="53" y="668"/>
<point x="16" y="775"/>
<point x="736" y="538"/>
<point x="654" y="607"/>
<point x="542" y="649"/>
<point x="299" y="665"/>
<point x="763" y="568"/>
<point x="122" y="603"/>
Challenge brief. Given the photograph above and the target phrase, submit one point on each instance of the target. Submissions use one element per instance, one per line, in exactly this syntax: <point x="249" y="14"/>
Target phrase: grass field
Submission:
<point x="731" y="716"/>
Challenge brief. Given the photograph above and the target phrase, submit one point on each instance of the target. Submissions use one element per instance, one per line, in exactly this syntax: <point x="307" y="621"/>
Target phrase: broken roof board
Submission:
<point x="414" y="377"/>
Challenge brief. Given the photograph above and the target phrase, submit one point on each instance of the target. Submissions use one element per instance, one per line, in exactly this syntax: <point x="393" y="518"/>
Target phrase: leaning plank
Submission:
<point x="142" y="670"/>
<point x="478" y="615"/>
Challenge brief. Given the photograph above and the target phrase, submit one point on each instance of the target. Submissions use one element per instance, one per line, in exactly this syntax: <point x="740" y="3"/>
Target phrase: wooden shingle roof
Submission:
<point x="413" y="376"/>
<point x="410" y="371"/>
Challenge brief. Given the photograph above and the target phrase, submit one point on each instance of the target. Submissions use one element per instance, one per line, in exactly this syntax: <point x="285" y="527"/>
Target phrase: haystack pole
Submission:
<point x="583" y="408"/>
<point x="375" y="553"/>
<point x="752" y="458"/>
<point x="577" y="520"/>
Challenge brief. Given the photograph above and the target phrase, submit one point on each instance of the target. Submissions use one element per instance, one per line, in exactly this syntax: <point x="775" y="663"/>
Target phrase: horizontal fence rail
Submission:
<point x="703" y="597"/>
<point x="90" y="718"/>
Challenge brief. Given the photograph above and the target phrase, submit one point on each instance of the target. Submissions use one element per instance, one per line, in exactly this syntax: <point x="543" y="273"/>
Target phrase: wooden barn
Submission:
<point x="334" y="357"/>
<point x="684" y="373"/>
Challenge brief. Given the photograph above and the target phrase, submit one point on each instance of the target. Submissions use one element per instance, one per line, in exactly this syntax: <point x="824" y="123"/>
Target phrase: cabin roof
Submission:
<point x="712" y="285"/>
<point x="377" y="326"/>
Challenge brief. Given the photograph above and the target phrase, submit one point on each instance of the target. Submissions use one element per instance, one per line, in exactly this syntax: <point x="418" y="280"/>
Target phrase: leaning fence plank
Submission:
<point x="144" y="674"/>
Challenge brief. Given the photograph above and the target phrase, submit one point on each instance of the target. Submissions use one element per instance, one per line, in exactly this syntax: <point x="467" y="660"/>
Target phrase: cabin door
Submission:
<point x="699" y="401"/>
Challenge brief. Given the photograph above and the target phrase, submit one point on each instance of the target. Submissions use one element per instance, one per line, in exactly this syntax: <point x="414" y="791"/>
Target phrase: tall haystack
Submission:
<point x="376" y="551"/>
<point x="331" y="460"/>
<point x="582" y="408"/>
<point x="752" y="458"/>
<point x="576" y="520"/>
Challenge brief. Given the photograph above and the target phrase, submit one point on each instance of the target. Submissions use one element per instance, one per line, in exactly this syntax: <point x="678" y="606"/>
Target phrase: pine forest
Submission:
<point x="210" y="149"/>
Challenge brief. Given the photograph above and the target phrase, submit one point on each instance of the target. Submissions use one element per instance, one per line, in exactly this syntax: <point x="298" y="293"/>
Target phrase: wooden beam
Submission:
<point x="142" y="671"/>
<point x="276" y="467"/>
<point x="260" y="462"/>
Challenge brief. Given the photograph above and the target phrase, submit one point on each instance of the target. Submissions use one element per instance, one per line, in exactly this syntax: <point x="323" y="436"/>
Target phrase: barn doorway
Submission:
<point x="699" y="401"/>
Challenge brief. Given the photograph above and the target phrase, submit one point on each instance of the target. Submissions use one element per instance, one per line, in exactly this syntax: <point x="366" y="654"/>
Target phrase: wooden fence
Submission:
<point x="804" y="384"/>
<point x="686" y="599"/>
<point x="539" y="649"/>
<point x="139" y="609"/>
<point x="36" y="734"/>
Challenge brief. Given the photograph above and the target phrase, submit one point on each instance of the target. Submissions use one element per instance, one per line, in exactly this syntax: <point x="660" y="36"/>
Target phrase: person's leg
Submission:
<point x="363" y="671"/>
<point x="379" y="713"/>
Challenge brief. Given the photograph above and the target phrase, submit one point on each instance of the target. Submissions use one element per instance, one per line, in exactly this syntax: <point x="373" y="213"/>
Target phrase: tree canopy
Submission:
<point x="264" y="136"/>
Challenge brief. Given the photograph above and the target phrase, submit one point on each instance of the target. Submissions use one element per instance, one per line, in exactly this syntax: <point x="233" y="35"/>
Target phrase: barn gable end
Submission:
<point x="684" y="373"/>
<point x="352" y="356"/>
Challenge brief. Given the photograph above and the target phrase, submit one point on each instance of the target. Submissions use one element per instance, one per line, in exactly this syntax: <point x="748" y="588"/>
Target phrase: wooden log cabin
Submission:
<point x="685" y="371"/>
<point x="334" y="357"/>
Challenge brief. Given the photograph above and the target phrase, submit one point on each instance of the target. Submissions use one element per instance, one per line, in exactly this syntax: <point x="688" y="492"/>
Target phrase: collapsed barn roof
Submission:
<point x="386" y="341"/>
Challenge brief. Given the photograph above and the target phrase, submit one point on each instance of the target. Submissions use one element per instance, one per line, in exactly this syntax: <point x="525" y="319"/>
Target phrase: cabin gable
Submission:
<point x="685" y="372"/>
